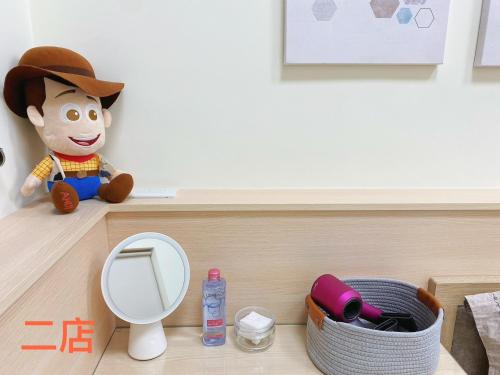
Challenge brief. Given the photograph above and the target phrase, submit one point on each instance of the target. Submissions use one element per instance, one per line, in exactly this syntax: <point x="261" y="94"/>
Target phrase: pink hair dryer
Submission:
<point x="342" y="301"/>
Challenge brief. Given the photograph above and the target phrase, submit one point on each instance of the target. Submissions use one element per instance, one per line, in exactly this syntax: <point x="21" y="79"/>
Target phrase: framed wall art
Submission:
<point x="365" y="31"/>
<point x="488" y="42"/>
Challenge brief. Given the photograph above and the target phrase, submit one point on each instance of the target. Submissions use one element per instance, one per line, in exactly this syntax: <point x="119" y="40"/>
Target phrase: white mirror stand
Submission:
<point x="146" y="341"/>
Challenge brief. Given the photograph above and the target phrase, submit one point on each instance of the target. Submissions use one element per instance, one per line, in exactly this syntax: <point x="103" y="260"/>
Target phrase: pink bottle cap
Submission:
<point x="213" y="274"/>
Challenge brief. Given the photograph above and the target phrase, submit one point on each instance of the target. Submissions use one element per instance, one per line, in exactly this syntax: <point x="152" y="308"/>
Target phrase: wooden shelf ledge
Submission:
<point x="52" y="262"/>
<point x="319" y="200"/>
<point x="186" y="355"/>
<point x="35" y="237"/>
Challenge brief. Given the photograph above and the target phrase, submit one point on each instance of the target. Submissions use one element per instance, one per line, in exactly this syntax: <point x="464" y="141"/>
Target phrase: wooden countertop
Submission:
<point x="186" y="355"/>
<point x="36" y="236"/>
<point x="319" y="200"/>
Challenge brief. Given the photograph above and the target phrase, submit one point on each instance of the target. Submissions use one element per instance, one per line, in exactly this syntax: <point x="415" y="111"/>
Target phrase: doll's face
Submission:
<point x="73" y="122"/>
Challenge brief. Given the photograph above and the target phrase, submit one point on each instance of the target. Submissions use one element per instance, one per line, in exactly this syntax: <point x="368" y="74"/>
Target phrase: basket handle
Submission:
<point x="316" y="314"/>
<point x="429" y="300"/>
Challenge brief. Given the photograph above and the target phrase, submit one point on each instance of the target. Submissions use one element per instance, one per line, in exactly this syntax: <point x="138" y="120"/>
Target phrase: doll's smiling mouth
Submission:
<point x="85" y="142"/>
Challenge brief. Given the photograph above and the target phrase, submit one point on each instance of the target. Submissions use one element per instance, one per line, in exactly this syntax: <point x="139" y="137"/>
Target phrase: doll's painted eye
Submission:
<point x="72" y="115"/>
<point x="93" y="115"/>
<point x="92" y="112"/>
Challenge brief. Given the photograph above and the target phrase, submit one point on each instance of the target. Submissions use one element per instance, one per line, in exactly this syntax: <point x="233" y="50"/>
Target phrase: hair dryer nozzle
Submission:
<point x="341" y="301"/>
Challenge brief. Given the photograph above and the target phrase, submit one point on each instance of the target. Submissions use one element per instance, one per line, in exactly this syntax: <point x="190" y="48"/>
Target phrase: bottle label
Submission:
<point x="214" y="336"/>
<point x="215" y="322"/>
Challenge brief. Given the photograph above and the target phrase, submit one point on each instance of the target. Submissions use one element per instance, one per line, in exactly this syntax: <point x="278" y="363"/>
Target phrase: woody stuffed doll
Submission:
<point x="56" y="89"/>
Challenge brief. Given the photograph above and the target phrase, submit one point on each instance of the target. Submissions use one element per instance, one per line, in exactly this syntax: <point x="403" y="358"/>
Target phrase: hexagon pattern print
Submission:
<point x="384" y="8"/>
<point x="404" y="16"/>
<point x="424" y="18"/>
<point x="366" y="31"/>
<point x="324" y="10"/>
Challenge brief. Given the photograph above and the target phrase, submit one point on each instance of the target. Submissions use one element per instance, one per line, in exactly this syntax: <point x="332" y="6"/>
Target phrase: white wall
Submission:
<point x="208" y="102"/>
<point x="19" y="140"/>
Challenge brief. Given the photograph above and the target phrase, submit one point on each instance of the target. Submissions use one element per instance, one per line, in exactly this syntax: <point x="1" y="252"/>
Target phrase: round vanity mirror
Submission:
<point x="144" y="280"/>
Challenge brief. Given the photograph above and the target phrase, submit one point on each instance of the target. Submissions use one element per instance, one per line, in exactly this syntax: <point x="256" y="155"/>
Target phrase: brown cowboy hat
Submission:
<point x="56" y="62"/>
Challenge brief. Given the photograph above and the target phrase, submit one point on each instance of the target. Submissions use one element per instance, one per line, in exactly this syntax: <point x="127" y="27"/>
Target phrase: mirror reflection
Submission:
<point x="146" y="278"/>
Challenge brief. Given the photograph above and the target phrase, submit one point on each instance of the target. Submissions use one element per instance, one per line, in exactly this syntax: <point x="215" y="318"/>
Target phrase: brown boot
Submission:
<point x="117" y="189"/>
<point x="64" y="197"/>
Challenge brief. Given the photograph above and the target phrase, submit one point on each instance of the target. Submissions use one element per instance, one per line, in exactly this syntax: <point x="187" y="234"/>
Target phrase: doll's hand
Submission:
<point x="30" y="184"/>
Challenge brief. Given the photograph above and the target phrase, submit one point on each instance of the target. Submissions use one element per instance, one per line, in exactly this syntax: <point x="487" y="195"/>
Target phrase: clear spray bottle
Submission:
<point x="214" y="309"/>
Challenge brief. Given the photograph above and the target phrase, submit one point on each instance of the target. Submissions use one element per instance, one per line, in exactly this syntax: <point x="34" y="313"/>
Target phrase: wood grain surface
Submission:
<point x="272" y="258"/>
<point x="451" y="290"/>
<point x="70" y="289"/>
<point x="186" y="355"/>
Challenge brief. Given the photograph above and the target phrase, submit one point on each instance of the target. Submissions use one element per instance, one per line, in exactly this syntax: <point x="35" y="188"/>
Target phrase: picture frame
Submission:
<point x="365" y="31"/>
<point x="488" y="42"/>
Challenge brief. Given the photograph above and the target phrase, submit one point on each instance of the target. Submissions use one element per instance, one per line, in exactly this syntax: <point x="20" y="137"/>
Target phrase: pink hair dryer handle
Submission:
<point x="370" y="312"/>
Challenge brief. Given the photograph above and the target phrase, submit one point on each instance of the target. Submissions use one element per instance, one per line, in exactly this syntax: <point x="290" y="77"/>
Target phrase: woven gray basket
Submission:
<point x="344" y="349"/>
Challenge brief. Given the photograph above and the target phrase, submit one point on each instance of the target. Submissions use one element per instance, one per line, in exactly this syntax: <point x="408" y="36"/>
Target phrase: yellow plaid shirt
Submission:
<point x="44" y="168"/>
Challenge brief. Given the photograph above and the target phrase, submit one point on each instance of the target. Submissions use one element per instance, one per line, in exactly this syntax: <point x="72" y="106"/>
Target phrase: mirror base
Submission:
<point x="146" y="341"/>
